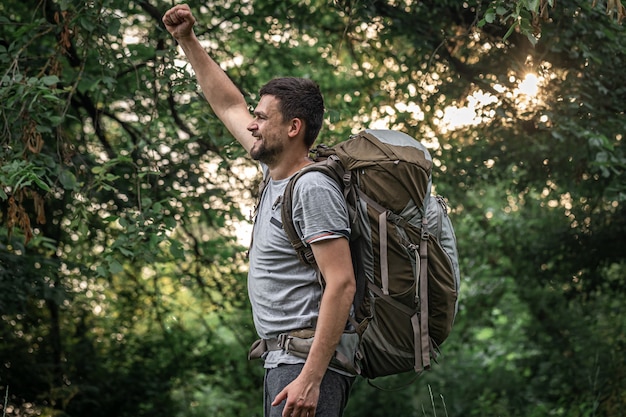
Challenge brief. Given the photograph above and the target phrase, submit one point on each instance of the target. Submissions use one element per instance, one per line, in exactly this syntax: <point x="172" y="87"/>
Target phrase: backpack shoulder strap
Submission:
<point x="329" y="166"/>
<point x="262" y="186"/>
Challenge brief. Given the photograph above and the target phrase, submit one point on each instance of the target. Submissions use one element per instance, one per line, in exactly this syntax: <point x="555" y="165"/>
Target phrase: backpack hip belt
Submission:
<point x="298" y="343"/>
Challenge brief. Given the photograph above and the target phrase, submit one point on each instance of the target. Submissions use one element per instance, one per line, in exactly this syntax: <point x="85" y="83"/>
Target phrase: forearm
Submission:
<point x="217" y="87"/>
<point x="333" y="316"/>
<point x="221" y="93"/>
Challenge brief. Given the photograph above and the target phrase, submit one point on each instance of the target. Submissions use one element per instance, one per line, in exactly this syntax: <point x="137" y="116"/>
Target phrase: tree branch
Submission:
<point x="84" y="101"/>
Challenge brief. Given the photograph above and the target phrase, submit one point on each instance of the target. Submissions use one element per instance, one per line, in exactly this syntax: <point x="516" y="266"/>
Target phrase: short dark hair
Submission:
<point x="299" y="98"/>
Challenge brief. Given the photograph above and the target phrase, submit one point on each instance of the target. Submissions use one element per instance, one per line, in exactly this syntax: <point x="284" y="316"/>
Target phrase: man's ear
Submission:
<point x="296" y="127"/>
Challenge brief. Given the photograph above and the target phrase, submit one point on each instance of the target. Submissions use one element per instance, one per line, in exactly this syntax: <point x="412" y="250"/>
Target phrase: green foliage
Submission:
<point x="122" y="284"/>
<point x="526" y="16"/>
<point x="114" y="216"/>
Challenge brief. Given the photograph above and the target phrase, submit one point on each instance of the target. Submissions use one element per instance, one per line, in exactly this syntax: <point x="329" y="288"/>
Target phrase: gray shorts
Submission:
<point x="334" y="390"/>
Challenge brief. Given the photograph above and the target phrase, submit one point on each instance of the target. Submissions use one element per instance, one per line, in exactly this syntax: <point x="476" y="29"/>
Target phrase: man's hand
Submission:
<point x="179" y="21"/>
<point x="301" y="396"/>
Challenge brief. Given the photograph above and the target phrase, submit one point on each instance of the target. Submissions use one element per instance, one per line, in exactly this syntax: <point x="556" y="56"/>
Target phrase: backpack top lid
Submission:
<point x="397" y="138"/>
<point x="393" y="168"/>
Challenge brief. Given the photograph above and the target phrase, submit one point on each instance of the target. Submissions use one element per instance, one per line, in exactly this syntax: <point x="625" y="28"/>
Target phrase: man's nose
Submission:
<point x="252" y="126"/>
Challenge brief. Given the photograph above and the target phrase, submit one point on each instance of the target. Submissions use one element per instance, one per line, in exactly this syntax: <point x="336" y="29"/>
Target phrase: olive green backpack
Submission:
<point x="403" y="247"/>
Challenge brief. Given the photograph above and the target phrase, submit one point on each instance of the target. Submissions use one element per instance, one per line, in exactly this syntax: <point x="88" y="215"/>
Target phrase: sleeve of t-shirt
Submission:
<point x="319" y="209"/>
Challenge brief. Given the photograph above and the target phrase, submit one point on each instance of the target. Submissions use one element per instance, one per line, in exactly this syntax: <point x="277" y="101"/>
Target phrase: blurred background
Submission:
<point x="125" y="205"/>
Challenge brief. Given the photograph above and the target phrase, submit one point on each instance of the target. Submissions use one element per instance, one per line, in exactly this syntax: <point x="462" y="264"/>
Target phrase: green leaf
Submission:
<point x="115" y="267"/>
<point x="508" y="32"/>
<point x="68" y="180"/>
<point x="43" y="129"/>
<point x="126" y="252"/>
<point x="533" y="5"/>
<point x="114" y="27"/>
<point x="170" y="223"/>
<point x="176" y="249"/>
<point x="50" y="80"/>
<point x="55" y="120"/>
<point x="87" y="24"/>
<point x="101" y="271"/>
<point x="41" y="184"/>
<point x="87" y="84"/>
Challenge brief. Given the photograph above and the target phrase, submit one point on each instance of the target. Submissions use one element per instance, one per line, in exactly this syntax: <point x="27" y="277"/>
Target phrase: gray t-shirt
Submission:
<point x="285" y="294"/>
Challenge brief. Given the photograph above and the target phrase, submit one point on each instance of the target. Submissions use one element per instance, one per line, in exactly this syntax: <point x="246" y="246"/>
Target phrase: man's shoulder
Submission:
<point x="316" y="189"/>
<point x="316" y="179"/>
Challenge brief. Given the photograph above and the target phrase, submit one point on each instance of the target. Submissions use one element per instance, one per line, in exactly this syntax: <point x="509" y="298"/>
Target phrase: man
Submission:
<point x="286" y="295"/>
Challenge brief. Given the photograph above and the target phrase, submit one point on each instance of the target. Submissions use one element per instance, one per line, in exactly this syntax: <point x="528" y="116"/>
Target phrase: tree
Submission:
<point x="122" y="282"/>
<point x="539" y="182"/>
<point x="117" y="256"/>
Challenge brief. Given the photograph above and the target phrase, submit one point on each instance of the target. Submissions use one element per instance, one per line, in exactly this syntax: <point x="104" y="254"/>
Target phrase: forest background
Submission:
<point x="123" y="201"/>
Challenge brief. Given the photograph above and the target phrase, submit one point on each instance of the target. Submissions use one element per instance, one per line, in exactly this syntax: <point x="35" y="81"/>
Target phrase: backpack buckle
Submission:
<point x="424" y="231"/>
<point x="283" y="341"/>
<point x="347" y="178"/>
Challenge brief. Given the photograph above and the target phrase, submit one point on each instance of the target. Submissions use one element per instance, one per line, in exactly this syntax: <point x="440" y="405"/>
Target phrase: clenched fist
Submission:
<point x="179" y="21"/>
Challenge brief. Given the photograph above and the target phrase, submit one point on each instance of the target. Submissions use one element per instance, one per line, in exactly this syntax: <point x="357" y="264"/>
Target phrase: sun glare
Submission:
<point x="529" y="86"/>
<point x="525" y="95"/>
<point x="455" y="117"/>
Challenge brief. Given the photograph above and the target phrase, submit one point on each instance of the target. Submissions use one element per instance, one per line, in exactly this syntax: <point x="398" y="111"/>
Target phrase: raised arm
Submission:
<point x="224" y="97"/>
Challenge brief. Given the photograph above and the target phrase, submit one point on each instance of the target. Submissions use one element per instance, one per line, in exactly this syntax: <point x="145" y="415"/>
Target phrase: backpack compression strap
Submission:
<point x="421" y="336"/>
<point x="423" y="291"/>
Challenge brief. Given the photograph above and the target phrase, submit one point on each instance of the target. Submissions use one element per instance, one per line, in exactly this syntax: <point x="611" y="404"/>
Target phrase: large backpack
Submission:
<point x="403" y="247"/>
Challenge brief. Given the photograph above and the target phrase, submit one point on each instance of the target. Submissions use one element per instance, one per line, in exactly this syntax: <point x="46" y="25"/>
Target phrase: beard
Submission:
<point x="266" y="154"/>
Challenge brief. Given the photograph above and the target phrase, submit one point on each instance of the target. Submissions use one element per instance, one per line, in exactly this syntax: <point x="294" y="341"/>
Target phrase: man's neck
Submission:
<point x="287" y="168"/>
